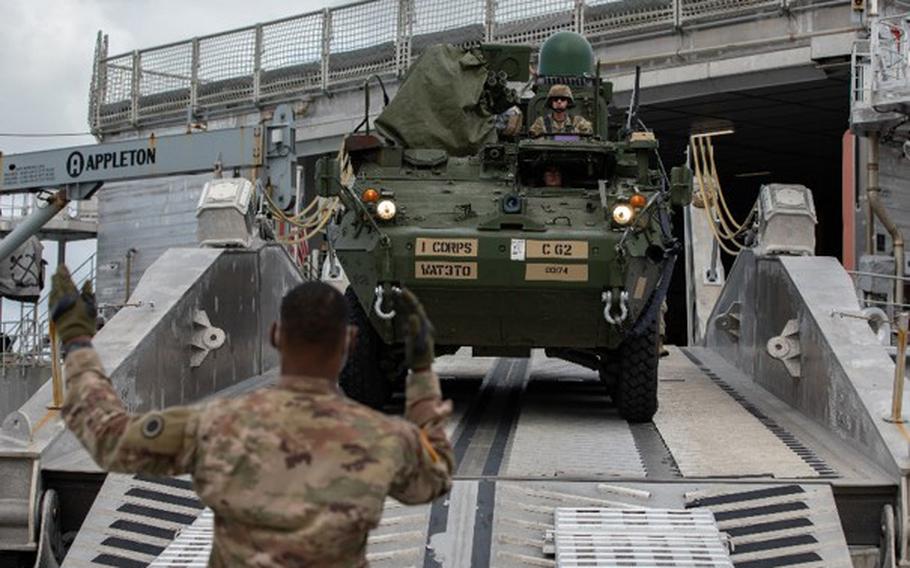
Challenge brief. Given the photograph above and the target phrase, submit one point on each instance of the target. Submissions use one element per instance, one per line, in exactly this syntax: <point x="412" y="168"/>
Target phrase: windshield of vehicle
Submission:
<point x="553" y="168"/>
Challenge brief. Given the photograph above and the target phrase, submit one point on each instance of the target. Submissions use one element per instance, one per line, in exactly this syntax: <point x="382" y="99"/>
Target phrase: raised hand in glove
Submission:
<point x="74" y="313"/>
<point x="419" y="332"/>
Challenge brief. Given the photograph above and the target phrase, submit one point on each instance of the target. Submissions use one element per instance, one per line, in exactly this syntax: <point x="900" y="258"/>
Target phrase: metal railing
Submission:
<point x="24" y="332"/>
<point x="860" y="75"/>
<point x="885" y="301"/>
<point x="889" y="320"/>
<point x="16" y="206"/>
<point x="890" y="49"/>
<point x="25" y="341"/>
<point x="335" y="47"/>
<point x="880" y="66"/>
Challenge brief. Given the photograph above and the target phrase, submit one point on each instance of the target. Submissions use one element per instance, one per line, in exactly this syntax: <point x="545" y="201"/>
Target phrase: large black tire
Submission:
<point x="631" y="375"/>
<point x="363" y="377"/>
<point x="635" y="394"/>
<point x="610" y="370"/>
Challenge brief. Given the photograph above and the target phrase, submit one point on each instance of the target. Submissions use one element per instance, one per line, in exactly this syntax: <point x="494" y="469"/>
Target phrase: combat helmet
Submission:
<point x="563" y="91"/>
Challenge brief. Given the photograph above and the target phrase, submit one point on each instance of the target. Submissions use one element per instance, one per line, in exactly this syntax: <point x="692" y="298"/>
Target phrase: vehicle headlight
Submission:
<point x="386" y="210"/>
<point x="623" y="214"/>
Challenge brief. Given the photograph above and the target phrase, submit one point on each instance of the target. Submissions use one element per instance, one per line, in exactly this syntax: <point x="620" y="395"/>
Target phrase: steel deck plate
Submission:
<point x="710" y="434"/>
<point x="568" y="428"/>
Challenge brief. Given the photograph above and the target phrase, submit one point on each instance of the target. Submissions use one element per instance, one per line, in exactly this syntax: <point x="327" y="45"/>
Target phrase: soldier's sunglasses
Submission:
<point x="564" y="99"/>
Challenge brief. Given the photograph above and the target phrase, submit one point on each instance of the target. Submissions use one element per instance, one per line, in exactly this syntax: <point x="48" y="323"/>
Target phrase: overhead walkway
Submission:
<point x="319" y="60"/>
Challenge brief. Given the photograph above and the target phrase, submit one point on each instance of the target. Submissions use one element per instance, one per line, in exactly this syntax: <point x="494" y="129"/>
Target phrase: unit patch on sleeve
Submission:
<point x="153" y="426"/>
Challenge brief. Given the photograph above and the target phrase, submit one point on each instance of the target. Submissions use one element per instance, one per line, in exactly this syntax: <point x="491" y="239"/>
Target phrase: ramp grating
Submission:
<point x="133" y="521"/>
<point x="639" y="538"/>
<point x="768" y="527"/>
<point x="192" y="545"/>
<point x="398" y="540"/>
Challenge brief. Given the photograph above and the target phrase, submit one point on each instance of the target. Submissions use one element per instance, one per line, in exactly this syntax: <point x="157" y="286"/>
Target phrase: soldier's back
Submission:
<point x="298" y="473"/>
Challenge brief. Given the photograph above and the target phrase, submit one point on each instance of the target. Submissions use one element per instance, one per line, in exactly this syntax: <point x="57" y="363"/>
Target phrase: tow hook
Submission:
<point x="377" y="305"/>
<point x="607" y="298"/>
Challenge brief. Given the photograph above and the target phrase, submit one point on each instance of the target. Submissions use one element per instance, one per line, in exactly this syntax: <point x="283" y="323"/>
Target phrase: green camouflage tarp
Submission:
<point x="438" y="104"/>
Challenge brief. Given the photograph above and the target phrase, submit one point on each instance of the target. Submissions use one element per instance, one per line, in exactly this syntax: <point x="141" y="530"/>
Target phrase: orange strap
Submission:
<point x="903" y="431"/>
<point x="51" y="412"/>
<point x="425" y="442"/>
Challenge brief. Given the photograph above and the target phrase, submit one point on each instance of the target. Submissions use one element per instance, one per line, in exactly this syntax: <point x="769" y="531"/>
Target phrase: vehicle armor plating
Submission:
<point x="504" y="258"/>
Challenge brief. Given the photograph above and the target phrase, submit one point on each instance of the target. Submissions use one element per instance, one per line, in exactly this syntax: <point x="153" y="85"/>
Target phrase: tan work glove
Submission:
<point x="418" y="342"/>
<point x="74" y="314"/>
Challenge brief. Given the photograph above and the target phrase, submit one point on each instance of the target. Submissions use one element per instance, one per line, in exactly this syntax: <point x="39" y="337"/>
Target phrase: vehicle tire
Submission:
<point x="362" y="377"/>
<point x="392" y="365"/>
<point x="635" y="390"/>
<point x="609" y="369"/>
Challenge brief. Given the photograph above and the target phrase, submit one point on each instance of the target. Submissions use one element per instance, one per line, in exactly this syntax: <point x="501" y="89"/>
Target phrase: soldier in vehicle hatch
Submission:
<point x="558" y="120"/>
<point x="552" y="176"/>
<point x="296" y="474"/>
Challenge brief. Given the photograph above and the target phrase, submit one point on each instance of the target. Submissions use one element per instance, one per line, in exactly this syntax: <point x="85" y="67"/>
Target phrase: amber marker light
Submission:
<point x="638" y="200"/>
<point x="370" y="195"/>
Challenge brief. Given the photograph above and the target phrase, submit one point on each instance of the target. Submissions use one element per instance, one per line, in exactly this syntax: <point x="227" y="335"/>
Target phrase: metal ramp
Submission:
<point x="567" y="524"/>
<point x="192" y="546"/>
<point x="639" y="538"/>
<point x="766" y="525"/>
<point x="785" y="525"/>
<point x="768" y="454"/>
<point x="133" y="520"/>
<point x="538" y="436"/>
<point x="398" y="541"/>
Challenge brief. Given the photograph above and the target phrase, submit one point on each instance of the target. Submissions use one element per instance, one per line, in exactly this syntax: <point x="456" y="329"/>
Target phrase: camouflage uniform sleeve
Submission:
<point x="158" y="442"/>
<point x="537" y="129"/>
<point x="426" y="471"/>
<point x="583" y="125"/>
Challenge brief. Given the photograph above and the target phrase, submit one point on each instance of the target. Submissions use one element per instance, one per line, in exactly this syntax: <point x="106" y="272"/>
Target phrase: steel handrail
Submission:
<point x="877" y="275"/>
<point x="27" y="333"/>
<point x="496" y="18"/>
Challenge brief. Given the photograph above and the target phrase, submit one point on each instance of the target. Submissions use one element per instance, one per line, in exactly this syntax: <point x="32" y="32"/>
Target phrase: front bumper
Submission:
<point x="503" y="288"/>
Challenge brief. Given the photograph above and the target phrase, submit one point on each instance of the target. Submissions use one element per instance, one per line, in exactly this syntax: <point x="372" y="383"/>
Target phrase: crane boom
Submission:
<point x="80" y="170"/>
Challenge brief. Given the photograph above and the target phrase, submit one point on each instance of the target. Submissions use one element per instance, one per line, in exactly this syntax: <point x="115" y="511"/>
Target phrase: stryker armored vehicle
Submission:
<point x="445" y="197"/>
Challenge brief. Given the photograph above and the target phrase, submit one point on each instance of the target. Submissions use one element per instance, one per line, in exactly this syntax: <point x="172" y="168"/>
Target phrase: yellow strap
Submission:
<point x="51" y="412"/>
<point x="56" y="375"/>
<point x="712" y="197"/>
<point x="425" y="442"/>
<point x="903" y="431"/>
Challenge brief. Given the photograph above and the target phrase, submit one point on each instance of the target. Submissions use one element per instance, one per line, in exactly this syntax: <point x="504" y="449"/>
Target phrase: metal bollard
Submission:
<point x="900" y="368"/>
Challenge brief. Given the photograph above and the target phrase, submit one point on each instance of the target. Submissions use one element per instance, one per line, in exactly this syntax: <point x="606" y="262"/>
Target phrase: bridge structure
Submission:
<point x="688" y="48"/>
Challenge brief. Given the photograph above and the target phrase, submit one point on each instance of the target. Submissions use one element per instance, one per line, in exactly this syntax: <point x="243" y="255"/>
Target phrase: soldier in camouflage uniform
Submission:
<point x="558" y="120"/>
<point x="296" y="474"/>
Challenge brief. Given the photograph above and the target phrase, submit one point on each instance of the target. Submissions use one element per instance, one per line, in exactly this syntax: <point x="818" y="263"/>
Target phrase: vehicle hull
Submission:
<point x="479" y="291"/>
